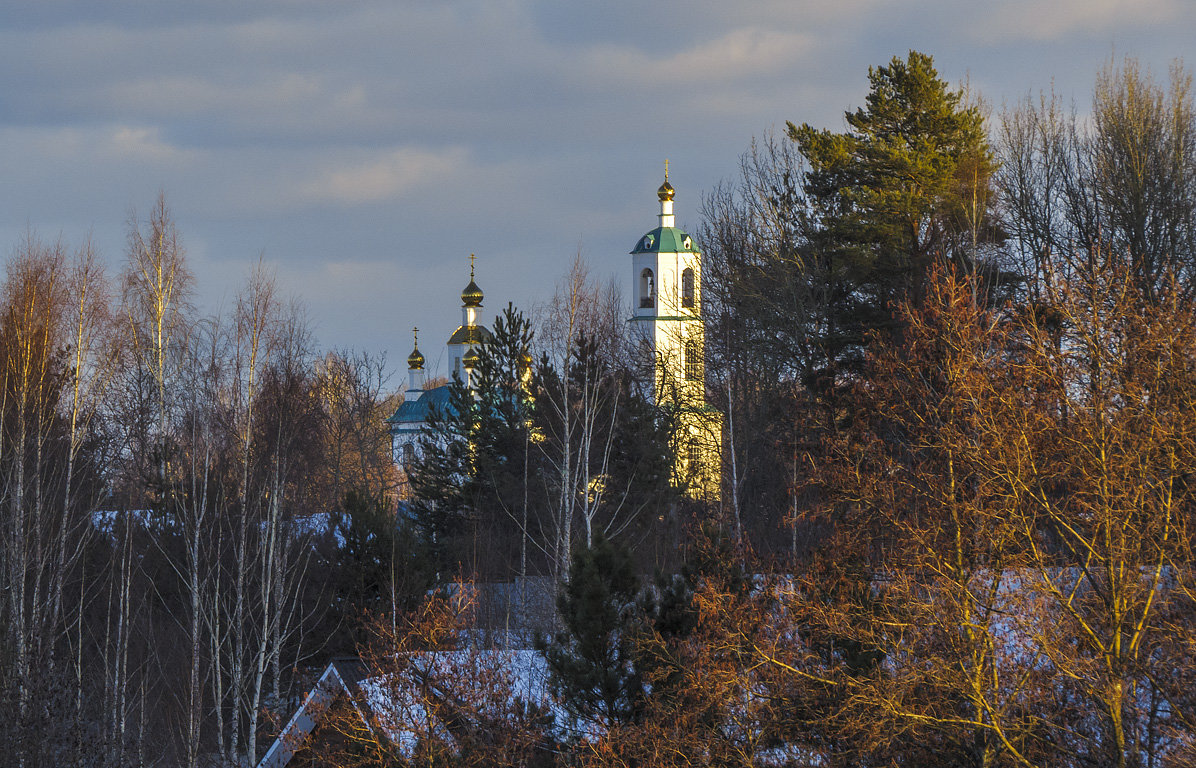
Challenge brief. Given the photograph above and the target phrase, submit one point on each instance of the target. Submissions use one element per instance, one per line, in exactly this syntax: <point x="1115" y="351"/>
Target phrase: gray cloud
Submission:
<point x="366" y="148"/>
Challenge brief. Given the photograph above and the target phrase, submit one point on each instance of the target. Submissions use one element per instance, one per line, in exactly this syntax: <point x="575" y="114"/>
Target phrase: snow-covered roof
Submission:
<point x="341" y="675"/>
<point x="393" y="707"/>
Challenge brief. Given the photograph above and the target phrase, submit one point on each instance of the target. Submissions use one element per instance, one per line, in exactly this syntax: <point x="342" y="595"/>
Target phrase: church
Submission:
<point x="411" y="417"/>
<point x="667" y="323"/>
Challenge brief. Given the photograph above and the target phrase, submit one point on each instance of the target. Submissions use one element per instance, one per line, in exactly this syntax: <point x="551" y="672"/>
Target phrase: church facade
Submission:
<point x="666" y="321"/>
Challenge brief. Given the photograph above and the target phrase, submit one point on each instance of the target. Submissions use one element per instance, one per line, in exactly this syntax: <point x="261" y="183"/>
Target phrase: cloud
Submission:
<point x="410" y="134"/>
<point x="1060" y="19"/>
<point x="740" y="55"/>
<point x="143" y="144"/>
<point x="385" y="176"/>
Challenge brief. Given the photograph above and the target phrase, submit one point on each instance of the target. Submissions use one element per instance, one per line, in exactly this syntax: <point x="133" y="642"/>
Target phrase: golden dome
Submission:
<point x="666" y="191"/>
<point x="472" y="295"/>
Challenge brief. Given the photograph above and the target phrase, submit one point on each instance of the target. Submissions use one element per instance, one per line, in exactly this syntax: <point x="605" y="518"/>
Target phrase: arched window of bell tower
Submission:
<point x="693" y="360"/>
<point x="647" y="290"/>
<point x="687" y="287"/>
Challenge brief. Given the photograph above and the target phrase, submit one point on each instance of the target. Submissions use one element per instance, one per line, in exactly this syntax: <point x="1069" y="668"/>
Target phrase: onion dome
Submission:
<point x="472" y="295"/>
<point x="666" y="191"/>
<point x="470" y="360"/>
<point x="415" y="361"/>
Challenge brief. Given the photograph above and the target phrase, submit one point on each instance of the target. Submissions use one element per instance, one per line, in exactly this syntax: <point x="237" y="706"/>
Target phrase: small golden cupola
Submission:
<point x="415" y="369"/>
<point x="666" y="191"/>
<point x="415" y="361"/>
<point x="472" y="295"/>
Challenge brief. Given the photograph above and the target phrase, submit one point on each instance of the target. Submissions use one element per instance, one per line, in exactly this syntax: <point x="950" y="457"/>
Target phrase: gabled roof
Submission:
<point x="352" y="671"/>
<point x="343" y="674"/>
<point x="665" y="240"/>
<point x="390" y="708"/>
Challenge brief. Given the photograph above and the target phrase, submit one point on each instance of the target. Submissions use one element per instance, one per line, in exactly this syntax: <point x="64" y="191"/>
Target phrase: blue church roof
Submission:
<point x="416" y="411"/>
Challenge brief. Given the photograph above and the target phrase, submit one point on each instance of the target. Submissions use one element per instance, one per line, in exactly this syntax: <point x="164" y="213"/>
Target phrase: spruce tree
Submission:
<point x="378" y="565"/>
<point x="440" y="475"/>
<point x="469" y="479"/>
<point x="592" y="661"/>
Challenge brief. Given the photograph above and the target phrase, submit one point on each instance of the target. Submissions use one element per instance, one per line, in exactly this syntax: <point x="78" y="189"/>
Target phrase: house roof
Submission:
<point x="351" y="670"/>
<point x="343" y="674"/>
<point x="383" y="705"/>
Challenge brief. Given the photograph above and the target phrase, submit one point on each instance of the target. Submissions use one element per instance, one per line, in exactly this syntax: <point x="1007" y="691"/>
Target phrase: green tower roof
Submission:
<point x="665" y="240"/>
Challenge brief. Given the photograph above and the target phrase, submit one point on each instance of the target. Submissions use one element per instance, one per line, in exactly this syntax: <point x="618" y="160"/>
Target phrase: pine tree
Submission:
<point x="909" y="184"/>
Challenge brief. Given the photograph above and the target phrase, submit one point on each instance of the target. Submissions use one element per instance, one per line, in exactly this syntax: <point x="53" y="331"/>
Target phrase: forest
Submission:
<point x="954" y="351"/>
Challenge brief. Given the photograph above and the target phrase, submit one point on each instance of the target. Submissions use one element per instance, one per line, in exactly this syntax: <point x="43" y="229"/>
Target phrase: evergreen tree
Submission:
<point x="503" y="414"/>
<point x="605" y="445"/>
<point x="592" y="661"/>
<point x="907" y="185"/>
<point x="511" y="471"/>
<point x="812" y="253"/>
<point x="641" y="463"/>
<point x="471" y="475"/>
<point x="379" y="564"/>
<point x="440" y="475"/>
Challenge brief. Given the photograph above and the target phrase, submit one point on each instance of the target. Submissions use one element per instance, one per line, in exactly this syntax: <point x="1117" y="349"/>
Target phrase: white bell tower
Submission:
<point x="666" y="290"/>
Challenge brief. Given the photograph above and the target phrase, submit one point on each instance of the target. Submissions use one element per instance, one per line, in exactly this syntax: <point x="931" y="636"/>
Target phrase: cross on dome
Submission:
<point x="415" y="361"/>
<point x="472" y="295"/>
<point x="666" y="191"/>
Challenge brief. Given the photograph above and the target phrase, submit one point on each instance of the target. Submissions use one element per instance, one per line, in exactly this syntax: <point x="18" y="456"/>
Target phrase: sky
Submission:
<point x="363" y="150"/>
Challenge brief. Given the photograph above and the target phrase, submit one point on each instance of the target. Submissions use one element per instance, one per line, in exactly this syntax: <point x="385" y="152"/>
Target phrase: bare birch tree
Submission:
<point x="582" y="337"/>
